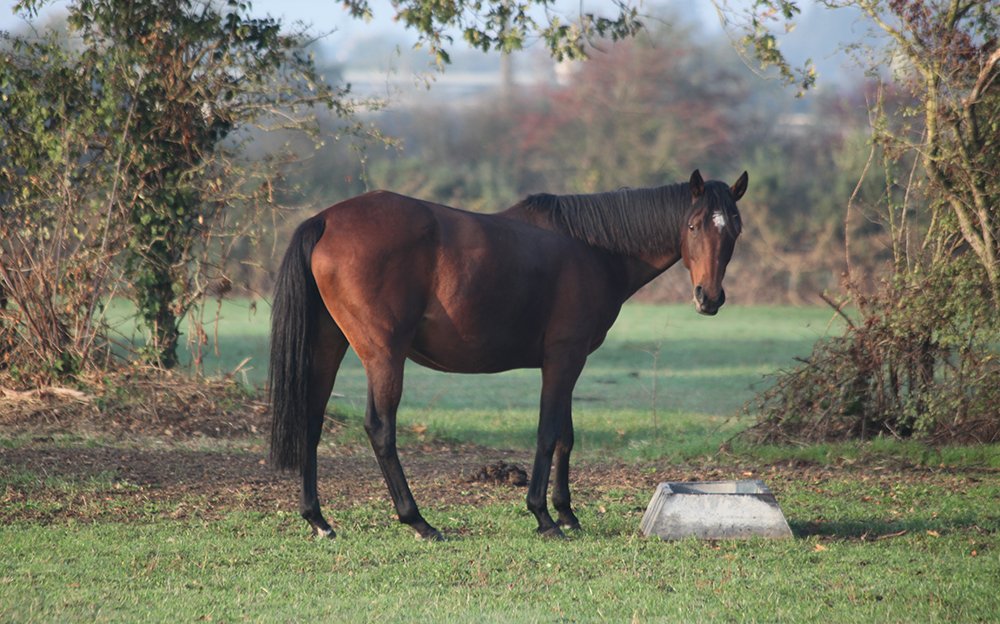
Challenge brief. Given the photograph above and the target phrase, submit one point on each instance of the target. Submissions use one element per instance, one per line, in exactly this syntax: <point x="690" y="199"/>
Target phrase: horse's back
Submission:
<point x="376" y="220"/>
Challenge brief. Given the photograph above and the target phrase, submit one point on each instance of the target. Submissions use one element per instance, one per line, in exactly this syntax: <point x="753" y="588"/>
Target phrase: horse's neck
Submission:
<point x="639" y="272"/>
<point x="634" y="272"/>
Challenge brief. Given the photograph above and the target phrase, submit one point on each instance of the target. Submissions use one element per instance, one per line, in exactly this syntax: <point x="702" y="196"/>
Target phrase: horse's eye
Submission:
<point x="691" y="226"/>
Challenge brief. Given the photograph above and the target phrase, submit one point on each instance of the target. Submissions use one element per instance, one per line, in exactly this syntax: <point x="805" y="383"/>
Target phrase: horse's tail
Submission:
<point x="293" y="335"/>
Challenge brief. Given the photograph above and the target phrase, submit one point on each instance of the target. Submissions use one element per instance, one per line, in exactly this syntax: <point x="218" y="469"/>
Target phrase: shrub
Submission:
<point x="920" y="361"/>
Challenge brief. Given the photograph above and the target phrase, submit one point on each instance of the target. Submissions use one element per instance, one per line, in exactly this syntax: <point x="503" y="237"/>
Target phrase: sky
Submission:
<point x="819" y="33"/>
<point x="330" y="14"/>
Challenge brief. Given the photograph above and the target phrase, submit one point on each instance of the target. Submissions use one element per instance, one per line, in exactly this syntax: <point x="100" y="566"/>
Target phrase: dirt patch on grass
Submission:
<point x="221" y="480"/>
<point x="217" y="480"/>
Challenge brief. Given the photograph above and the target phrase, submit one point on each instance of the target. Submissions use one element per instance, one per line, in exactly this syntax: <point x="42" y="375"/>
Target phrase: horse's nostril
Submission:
<point x="699" y="294"/>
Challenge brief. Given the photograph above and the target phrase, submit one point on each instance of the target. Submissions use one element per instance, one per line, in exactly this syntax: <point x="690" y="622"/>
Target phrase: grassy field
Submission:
<point x="884" y="532"/>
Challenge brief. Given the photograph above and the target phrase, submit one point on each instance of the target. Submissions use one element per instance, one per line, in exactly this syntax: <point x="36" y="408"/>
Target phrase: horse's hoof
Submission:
<point x="552" y="532"/>
<point x="568" y="520"/>
<point x="321" y="533"/>
<point x="430" y="535"/>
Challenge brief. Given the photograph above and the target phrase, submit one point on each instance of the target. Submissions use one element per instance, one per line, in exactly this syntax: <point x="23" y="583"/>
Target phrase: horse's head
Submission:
<point x="709" y="236"/>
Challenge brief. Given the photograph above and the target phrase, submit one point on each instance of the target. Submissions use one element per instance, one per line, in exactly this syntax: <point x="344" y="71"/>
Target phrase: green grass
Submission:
<point x="939" y="562"/>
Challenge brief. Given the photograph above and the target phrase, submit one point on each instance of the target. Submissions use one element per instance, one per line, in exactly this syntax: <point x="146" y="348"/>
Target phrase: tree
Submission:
<point x="639" y="112"/>
<point x="56" y="243"/>
<point x="920" y="359"/>
<point x="131" y="143"/>
<point x="506" y="25"/>
<point x="946" y="55"/>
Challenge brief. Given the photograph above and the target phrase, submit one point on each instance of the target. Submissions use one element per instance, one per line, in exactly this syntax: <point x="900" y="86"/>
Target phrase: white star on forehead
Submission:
<point x="719" y="219"/>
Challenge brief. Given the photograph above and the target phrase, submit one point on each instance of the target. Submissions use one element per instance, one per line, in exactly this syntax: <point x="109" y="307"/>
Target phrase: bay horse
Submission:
<point x="535" y="286"/>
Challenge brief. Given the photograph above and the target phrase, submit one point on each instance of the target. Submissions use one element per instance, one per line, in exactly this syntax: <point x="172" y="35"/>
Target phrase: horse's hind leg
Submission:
<point x="330" y="349"/>
<point x="385" y="388"/>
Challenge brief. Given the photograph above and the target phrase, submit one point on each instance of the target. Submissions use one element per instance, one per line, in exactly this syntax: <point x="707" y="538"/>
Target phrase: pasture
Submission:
<point x="155" y="526"/>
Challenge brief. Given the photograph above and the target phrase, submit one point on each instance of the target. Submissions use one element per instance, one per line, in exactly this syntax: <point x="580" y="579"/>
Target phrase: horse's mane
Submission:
<point x="627" y="221"/>
<point x="630" y="221"/>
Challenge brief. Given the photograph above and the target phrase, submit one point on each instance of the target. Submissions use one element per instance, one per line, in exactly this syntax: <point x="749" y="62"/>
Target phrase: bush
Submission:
<point x="920" y="361"/>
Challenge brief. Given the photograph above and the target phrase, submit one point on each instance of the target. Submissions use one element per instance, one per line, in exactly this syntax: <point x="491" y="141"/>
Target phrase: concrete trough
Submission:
<point x="714" y="510"/>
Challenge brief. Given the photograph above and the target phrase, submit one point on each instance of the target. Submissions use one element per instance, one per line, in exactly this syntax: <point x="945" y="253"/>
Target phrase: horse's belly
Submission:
<point x="445" y="347"/>
<point x="471" y="365"/>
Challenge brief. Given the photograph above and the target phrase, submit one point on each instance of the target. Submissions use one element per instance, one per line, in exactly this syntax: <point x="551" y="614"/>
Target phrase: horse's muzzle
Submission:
<point x="706" y="306"/>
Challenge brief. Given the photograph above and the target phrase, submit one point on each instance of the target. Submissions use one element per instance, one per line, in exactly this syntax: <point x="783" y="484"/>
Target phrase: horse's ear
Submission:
<point x="740" y="187"/>
<point x="697" y="185"/>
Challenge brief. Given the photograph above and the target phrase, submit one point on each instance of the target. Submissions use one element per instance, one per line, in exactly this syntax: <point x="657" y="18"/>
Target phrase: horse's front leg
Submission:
<point x="555" y="431"/>
<point x="560" y="489"/>
<point x="385" y="388"/>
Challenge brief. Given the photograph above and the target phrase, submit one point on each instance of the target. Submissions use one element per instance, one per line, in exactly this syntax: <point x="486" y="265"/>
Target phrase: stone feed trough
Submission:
<point x="714" y="510"/>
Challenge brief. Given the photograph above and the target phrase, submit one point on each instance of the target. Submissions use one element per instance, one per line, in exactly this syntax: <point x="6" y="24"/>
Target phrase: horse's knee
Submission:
<point x="547" y="443"/>
<point x="383" y="445"/>
<point x="562" y="449"/>
<point x="566" y="441"/>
